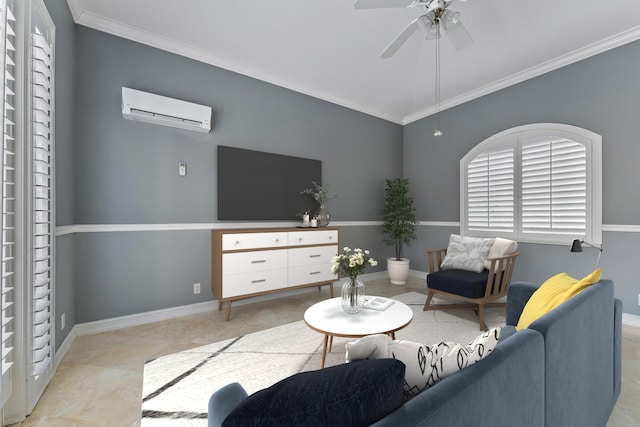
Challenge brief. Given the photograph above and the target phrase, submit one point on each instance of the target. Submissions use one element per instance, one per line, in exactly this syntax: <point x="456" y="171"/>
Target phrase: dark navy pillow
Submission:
<point x="353" y="394"/>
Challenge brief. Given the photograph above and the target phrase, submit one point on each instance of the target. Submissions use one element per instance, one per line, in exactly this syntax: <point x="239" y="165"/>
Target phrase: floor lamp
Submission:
<point x="576" y="246"/>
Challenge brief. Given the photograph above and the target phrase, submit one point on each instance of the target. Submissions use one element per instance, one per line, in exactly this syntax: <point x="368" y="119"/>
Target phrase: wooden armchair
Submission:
<point x="475" y="289"/>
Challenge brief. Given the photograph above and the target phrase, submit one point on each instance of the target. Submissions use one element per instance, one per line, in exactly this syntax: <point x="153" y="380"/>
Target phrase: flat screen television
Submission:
<point x="254" y="185"/>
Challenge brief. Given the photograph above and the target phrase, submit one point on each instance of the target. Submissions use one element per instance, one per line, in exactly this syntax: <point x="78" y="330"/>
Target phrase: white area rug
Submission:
<point x="177" y="387"/>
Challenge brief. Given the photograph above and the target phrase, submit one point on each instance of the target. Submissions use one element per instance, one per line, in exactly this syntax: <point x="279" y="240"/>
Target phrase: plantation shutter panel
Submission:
<point x="7" y="217"/>
<point x="554" y="187"/>
<point x="41" y="202"/>
<point x="490" y="191"/>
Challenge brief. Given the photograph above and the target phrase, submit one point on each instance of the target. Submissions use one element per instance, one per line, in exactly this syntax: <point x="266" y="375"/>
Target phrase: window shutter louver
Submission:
<point x="490" y="191"/>
<point x="554" y="187"/>
<point x="41" y="204"/>
<point x="7" y="219"/>
<point x="538" y="183"/>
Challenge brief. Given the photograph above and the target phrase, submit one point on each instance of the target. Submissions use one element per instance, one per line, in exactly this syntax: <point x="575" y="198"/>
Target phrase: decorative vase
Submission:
<point x="352" y="295"/>
<point x="323" y="216"/>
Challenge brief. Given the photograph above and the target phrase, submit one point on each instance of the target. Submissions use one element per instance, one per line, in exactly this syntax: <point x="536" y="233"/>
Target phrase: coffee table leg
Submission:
<point x="324" y="350"/>
<point x="330" y="343"/>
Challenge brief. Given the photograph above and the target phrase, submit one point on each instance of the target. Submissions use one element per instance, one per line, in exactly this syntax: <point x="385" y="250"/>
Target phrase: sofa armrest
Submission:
<point x="494" y="391"/>
<point x="517" y="297"/>
<point x="223" y="402"/>
<point x="579" y="345"/>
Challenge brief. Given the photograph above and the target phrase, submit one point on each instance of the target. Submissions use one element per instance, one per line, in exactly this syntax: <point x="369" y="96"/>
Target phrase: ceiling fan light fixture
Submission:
<point x="450" y="19"/>
<point x="425" y="22"/>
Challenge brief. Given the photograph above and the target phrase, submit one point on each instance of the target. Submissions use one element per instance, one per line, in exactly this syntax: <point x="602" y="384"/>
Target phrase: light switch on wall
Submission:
<point x="182" y="169"/>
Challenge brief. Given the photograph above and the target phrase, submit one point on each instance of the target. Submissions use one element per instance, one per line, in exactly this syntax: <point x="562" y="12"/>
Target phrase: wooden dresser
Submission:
<point x="255" y="261"/>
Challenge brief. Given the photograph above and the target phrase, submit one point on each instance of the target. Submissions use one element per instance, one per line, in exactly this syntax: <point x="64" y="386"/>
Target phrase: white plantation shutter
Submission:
<point x="41" y="203"/>
<point x="554" y="187"/>
<point x="534" y="183"/>
<point x="490" y="193"/>
<point x="7" y="217"/>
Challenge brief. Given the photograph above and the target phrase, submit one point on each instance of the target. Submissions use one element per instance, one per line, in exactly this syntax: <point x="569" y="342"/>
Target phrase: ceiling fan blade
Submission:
<point x="401" y="39"/>
<point x="458" y="36"/>
<point x="379" y="4"/>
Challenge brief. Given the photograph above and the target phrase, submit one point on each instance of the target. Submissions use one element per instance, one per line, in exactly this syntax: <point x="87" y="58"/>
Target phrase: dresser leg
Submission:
<point x="220" y="302"/>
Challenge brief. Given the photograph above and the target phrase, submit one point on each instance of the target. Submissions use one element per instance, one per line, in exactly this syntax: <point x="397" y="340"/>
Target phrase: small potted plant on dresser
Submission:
<point x="400" y="225"/>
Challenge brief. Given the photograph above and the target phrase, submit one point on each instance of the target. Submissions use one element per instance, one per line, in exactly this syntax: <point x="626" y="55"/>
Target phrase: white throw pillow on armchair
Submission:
<point x="466" y="253"/>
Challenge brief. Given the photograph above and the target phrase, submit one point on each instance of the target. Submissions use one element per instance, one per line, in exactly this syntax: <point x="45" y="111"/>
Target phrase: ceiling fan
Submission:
<point x="438" y="15"/>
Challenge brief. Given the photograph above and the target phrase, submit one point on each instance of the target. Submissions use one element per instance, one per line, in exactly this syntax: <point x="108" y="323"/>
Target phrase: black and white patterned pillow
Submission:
<point x="425" y="364"/>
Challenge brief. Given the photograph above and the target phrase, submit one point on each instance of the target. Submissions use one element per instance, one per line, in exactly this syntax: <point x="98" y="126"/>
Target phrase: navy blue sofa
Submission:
<point x="564" y="370"/>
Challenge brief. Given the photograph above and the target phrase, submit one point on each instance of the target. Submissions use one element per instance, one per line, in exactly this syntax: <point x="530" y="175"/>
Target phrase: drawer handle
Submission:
<point x="315" y="272"/>
<point x="315" y="256"/>
<point x="237" y="242"/>
<point x="259" y="281"/>
<point x="258" y="261"/>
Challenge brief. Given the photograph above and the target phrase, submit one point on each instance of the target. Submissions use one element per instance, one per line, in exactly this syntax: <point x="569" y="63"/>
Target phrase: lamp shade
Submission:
<point x="576" y="246"/>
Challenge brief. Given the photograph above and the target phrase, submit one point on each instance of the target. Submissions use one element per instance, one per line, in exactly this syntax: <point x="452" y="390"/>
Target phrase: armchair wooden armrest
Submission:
<point x="435" y="257"/>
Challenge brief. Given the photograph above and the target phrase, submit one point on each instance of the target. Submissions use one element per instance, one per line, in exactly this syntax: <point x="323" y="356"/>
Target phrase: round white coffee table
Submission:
<point x="328" y="318"/>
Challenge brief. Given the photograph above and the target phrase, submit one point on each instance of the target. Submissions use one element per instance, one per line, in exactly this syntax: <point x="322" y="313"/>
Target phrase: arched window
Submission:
<point x="535" y="183"/>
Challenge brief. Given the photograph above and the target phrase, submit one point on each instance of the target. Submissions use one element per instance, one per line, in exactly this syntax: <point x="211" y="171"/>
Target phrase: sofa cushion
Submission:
<point x="425" y="364"/>
<point x="460" y="282"/>
<point x="552" y="293"/>
<point x="352" y="394"/>
<point x="466" y="253"/>
<point x="501" y="247"/>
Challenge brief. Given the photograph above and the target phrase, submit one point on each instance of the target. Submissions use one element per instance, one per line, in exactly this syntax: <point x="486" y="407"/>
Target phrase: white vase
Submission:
<point x="352" y="296"/>
<point x="398" y="270"/>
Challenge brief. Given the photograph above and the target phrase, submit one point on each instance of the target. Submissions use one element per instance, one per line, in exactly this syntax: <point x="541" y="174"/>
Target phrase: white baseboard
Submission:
<point x="112" y="324"/>
<point x="121" y="322"/>
<point x="631" y="320"/>
<point x="64" y="347"/>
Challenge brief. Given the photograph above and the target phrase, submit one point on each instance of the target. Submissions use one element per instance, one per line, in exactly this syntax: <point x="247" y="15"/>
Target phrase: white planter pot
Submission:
<point x="398" y="270"/>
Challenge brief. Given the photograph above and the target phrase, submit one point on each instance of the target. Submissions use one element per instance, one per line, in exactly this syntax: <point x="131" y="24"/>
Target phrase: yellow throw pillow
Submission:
<point x="552" y="293"/>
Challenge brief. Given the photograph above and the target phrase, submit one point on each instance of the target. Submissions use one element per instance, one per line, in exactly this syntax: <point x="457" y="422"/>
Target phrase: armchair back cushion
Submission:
<point x="501" y="247"/>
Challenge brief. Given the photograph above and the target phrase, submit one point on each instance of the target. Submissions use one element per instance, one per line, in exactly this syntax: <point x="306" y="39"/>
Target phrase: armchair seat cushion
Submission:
<point x="459" y="282"/>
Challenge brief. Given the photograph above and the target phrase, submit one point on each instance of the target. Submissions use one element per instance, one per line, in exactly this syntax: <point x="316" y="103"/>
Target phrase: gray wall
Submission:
<point x="601" y="94"/>
<point x="112" y="171"/>
<point x="64" y="157"/>
<point x="126" y="172"/>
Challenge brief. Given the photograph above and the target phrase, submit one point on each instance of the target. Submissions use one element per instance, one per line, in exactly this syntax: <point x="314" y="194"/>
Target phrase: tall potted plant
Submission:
<point x="400" y="225"/>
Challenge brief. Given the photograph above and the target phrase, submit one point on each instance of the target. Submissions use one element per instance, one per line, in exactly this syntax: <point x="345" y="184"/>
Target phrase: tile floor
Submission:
<point x="99" y="381"/>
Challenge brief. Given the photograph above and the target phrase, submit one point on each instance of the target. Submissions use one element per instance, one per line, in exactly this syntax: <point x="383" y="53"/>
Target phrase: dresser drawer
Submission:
<point x="315" y="237"/>
<point x="304" y="274"/>
<point x="320" y="255"/>
<point x="246" y="262"/>
<point x="255" y="282"/>
<point x="244" y="241"/>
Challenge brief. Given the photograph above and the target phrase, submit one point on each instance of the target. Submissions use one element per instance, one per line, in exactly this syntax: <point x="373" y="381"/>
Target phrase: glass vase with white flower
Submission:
<point x="352" y="263"/>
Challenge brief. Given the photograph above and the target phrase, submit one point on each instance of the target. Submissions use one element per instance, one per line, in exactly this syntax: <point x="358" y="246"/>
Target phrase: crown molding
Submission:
<point x="77" y="9"/>
<point x="82" y="17"/>
<point x="120" y="29"/>
<point x="559" y="62"/>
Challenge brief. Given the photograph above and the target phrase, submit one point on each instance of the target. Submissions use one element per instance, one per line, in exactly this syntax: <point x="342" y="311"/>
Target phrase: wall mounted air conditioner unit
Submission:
<point x="150" y="108"/>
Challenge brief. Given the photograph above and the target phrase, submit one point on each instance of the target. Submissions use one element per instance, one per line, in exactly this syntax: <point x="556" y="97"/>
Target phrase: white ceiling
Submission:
<point x="327" y="49"/>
